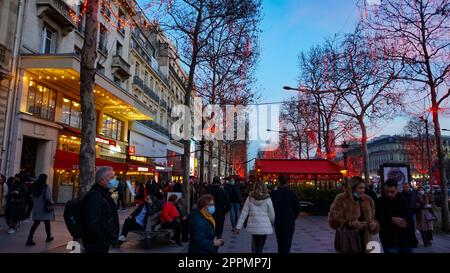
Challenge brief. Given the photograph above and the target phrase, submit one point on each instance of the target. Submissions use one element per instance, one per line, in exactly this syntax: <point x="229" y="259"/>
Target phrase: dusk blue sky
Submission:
<point x="292" y="26"/>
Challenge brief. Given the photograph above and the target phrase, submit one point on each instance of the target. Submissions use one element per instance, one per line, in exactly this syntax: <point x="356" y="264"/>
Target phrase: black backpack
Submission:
<point x="72" y="217"/>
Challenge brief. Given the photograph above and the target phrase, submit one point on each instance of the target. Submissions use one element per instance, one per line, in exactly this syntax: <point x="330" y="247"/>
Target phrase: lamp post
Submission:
<point x="430" y="172"/>
<point x="345" y="148"/>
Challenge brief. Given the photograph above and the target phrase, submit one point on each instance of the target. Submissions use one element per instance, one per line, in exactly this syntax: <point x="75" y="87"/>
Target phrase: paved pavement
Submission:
<point x="312" y="236"/>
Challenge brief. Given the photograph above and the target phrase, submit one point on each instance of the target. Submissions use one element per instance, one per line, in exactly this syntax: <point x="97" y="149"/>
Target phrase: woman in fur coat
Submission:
<point x="353" y="212"/>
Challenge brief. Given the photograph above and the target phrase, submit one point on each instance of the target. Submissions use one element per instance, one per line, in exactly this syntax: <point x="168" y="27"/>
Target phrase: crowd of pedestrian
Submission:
<point x="357" y="214"/>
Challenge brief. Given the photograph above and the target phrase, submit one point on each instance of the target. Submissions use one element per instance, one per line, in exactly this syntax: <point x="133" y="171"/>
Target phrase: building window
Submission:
<point x="118" y="49"/>
<point x="41" y="101"/>
<point x="106" y="12"/>
<point x="48" y="40"/>
<point x="120" y="24"/>
<point x="137" y="70"/>
<point x="71" y="113"/>
<point x="77" y="51"/>
<point x="112" y="127"/>
<point x="146" y="78"/>
<point x="102" y="39"/>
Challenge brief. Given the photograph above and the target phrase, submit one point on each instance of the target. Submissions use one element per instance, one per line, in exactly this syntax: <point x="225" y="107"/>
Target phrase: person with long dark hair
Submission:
<point x="16" y="200"/>
<point x="42" y="208"/>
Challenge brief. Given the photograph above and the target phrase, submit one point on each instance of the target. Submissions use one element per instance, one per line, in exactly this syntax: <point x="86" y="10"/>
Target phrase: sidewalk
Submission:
<point x="15" y="243"/>
<point x="312" y="235"/>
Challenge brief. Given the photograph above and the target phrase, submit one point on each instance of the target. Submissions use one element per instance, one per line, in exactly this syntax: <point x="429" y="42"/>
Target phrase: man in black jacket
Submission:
<point x="235" y="199"/>
<point x="99" y="219"/>
<point x="397" y="233"/>
<point x="222" y="206"/>
<point x="286" y="207"/>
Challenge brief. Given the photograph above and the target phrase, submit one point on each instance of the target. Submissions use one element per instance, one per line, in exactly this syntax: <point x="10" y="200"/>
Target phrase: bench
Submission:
<point x="153" y="230"/>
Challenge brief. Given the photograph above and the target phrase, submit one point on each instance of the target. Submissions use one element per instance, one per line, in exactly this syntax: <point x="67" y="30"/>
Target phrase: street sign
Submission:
<point x="132" y="150"/>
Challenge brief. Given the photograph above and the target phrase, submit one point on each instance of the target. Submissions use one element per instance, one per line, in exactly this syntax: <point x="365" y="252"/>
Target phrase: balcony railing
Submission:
<point x="155" y="126"/>
<point x="141" y="49"/>
<point x="151" y="93"/>
<point x="121" y="67"/>
<point x="58" y="10"/>
<point x="163" y="103"/>
<point x="147" y="90"/>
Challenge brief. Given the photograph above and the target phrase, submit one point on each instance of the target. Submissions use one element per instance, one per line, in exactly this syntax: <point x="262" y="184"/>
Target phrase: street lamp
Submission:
<point x="345" y="148"/>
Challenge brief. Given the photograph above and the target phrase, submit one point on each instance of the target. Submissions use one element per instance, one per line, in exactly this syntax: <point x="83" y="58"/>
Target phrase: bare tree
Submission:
<point x="320" y="73"/>
<point x="370" y="94"/>
<point x="416" y="32"/>
<point x="416" y="146"/>
<point x="87" y="79"/>
<point x="299" y="115"/>
<point x="192" y="23"/>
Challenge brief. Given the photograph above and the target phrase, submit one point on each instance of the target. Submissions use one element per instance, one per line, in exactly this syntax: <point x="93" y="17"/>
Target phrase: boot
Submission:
<point x="30" y="242"/>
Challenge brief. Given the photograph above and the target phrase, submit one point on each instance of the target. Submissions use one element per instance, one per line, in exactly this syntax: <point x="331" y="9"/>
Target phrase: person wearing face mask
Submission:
<point x="202" y="238"/>
<point x="99" y="218"/>
<point x="352" y="215"/>
<point x="425" y="216"/>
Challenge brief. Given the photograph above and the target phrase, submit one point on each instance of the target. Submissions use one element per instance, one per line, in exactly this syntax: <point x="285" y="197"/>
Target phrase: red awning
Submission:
<point x="70" y="161"/>
<point x="297" y="166"/>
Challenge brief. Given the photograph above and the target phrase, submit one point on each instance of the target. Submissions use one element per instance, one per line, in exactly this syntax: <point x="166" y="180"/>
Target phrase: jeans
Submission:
<point x="234" y="214"/>
<point x="258" y="242"/>
<point x="129" y="225"/>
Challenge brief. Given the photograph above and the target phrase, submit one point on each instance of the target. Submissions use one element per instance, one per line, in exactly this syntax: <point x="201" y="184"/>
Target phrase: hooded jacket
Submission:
<point x="261" y="216"/>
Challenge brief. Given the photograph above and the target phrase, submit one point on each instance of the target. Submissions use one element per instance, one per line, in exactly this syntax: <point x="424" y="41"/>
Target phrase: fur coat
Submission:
<point x="345" y="209"/>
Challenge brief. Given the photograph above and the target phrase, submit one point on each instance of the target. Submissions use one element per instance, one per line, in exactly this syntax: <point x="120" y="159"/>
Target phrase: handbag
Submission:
<point x="48" y="205"/>
<point x="347" y="241"/>
<point x="430" y="217"/>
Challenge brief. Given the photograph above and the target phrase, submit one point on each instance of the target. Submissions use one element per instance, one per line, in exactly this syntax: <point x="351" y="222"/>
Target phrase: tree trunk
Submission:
<point x="202" y="162"/>
<point x="88" y="116"/>
<point x="440" y="163"/>
<point x="430" y="172"/>
<point x="187" y="102"/>
<point x="219" y="156"/>
<point x="226" y="159"/>
<point x="364" y="150"/>
<point x="210" y="159"/>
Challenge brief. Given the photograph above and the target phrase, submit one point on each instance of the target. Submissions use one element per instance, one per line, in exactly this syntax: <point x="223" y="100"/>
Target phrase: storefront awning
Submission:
<point x="63" y="71"/>
<point x="297" y="166"/>
<point x="70" y="161"/>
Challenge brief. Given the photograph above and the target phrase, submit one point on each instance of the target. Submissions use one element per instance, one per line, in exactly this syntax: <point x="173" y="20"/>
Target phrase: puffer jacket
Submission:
<point x="261" y="216"/>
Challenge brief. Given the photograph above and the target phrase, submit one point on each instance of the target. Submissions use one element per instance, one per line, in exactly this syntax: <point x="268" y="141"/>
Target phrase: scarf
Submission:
<point x="209" y="218"/>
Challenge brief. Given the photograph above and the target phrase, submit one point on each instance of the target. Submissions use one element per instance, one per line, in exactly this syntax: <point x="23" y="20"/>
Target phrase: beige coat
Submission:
<point x="424" y="202"/>
<point x="344" y="209"/>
